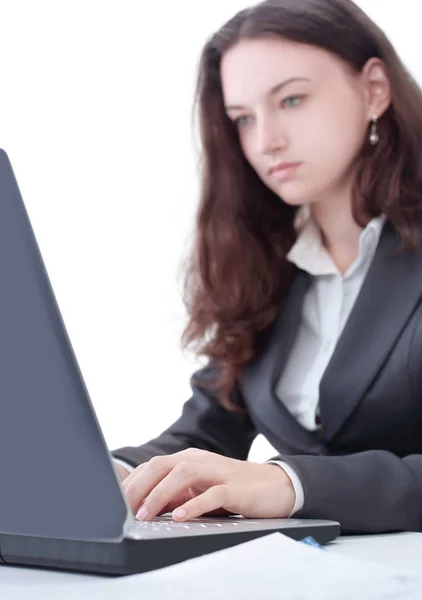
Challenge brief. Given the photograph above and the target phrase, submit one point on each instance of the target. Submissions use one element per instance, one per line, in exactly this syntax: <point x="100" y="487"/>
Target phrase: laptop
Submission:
<point x="61" y="503"/>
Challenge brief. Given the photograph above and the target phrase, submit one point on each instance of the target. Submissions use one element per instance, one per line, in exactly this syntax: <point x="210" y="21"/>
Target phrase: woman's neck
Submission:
<point x="339" y="232"/>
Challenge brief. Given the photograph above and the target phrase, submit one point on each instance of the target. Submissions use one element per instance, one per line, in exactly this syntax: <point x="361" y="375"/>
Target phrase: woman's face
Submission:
<point x="299" y="104"/>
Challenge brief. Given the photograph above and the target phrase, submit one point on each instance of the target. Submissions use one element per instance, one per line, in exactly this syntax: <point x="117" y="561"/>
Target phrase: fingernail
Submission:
<point x="142" y="513"/>
<point x="180" y="513"/>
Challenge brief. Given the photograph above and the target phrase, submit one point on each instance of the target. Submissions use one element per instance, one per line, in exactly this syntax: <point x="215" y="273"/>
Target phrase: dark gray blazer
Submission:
<point x="364" y="468"/>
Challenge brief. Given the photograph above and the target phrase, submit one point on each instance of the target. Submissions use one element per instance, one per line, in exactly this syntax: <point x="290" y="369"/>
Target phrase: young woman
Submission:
<point x="304" y="287"/>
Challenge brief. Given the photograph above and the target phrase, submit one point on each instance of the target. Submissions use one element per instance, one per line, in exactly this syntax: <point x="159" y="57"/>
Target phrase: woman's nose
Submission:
<point x="270" y="138"/>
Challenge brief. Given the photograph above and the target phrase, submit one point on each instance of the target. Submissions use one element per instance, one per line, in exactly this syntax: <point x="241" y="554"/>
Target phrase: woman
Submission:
<point x="304" y="288"/>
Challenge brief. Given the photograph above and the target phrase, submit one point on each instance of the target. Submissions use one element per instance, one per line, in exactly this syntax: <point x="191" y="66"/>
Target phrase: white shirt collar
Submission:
<point x="308" y="252"/>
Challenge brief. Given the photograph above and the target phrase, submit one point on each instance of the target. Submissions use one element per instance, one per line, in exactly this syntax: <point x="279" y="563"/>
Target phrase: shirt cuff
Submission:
<point x="124" y="464"/>
<point x="297" y="484"/>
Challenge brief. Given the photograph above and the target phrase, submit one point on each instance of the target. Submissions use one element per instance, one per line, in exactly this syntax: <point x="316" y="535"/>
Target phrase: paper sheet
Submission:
<point x="270" y="568"/>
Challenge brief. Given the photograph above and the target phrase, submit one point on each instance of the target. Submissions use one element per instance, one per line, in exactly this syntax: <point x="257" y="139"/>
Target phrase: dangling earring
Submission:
<point x="374" y="138"/>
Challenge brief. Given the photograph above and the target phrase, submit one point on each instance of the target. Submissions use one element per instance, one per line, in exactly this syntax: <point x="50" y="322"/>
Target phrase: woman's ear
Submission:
<point x="377" y="87"/>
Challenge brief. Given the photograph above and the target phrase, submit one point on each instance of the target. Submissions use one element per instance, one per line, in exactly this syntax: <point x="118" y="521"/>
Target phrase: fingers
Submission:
<point x="122" y="473"/>
<point x="213" y="499"/>
<point x="194" y="454"/>
<point x="181" y="500"/>
<point x="183" y="476"/>
<point x="132" y="475"/>
<point x="137" y="487"/>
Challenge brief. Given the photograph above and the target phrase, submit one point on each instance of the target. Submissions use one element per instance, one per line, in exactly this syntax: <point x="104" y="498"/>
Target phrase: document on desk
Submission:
<point x="274" y="567"/>
<point x="268" y="568"/>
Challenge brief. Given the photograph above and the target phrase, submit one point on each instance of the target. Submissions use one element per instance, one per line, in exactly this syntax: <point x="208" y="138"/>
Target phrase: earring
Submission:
<point x="374" y="138"/>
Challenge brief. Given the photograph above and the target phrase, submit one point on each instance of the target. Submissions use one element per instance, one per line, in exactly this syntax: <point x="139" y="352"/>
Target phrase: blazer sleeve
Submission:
<point x="370" y="492"/>
<point x="204" y="424"/>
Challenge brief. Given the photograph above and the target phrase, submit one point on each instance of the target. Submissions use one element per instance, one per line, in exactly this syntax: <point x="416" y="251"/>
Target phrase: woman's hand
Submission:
<point x="122" y="473"/>
<point x="195" y="482"/>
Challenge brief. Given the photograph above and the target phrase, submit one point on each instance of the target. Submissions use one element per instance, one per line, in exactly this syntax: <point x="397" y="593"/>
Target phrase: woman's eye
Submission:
<point x="289" y="102"/>
<point x="240" y="121"/>
<point x="292" y="101"/>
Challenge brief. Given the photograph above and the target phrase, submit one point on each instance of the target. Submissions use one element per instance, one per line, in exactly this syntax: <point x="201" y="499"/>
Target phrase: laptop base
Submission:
<point x="135" y="556"/>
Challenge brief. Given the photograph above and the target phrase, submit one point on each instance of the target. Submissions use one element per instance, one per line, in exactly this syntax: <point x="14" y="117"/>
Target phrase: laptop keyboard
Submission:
<point x="164" y="526"/>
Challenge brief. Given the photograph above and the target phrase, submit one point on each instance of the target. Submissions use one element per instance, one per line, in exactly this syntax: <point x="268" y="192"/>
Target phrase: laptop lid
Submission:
<point x="56" y="471"/>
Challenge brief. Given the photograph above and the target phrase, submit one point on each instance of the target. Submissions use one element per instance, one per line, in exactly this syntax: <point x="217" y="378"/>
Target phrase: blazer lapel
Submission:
<point x="392" y="288"/>
<point x="260" y="376"/>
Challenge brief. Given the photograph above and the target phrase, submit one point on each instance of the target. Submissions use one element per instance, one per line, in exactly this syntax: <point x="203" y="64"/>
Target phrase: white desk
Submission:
<point x="401" y="551"/>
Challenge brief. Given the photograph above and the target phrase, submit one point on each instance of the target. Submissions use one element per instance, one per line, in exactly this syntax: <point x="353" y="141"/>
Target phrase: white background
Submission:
<point x="95" y="115"/>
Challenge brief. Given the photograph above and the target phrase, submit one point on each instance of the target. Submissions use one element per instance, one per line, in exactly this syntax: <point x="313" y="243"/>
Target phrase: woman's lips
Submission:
<point x="283" y="171"/>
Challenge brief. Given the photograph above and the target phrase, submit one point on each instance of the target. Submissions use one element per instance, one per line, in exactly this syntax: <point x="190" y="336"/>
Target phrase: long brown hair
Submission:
<point x="237" y="272"/>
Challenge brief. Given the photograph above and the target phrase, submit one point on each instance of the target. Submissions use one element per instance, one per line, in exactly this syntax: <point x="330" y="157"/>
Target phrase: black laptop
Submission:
<point x="61" y="504"/>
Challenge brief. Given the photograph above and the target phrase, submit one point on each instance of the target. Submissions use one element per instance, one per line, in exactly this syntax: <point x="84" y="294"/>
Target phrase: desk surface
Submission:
<point x="401" y="551"/>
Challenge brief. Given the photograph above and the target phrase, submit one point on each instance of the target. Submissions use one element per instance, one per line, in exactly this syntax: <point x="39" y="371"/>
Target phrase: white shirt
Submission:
<point x="327" y="305"/>
<point x="326" y="308"/>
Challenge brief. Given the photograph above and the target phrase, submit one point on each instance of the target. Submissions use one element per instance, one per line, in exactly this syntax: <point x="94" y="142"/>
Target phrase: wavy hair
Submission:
<point x="237" y="273"/>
